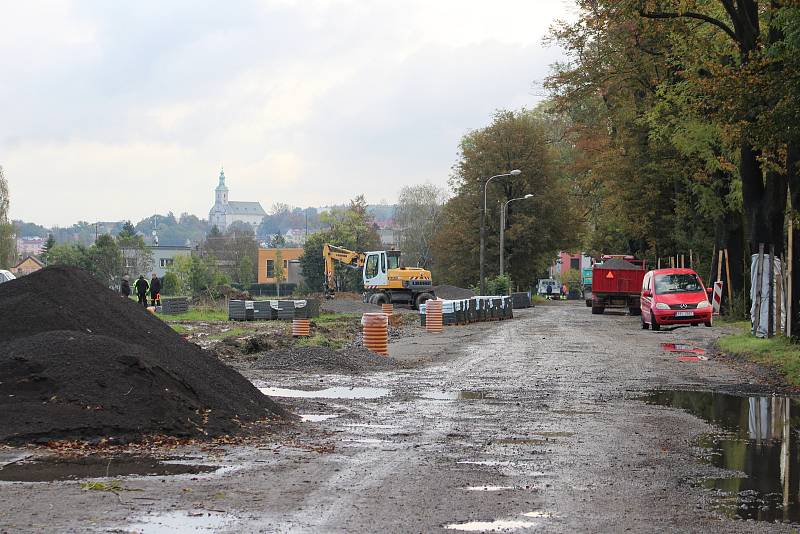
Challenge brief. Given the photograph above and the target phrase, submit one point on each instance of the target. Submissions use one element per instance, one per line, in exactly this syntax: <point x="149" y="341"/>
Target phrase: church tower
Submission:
<point x="222" y="190"/>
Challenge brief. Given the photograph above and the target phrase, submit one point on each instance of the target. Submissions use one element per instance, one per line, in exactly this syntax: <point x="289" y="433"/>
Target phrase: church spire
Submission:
<point x="222" y="186"/>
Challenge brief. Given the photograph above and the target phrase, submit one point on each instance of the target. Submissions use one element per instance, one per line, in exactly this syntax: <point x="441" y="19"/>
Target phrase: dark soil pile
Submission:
<point x="77" y="361"/>
<point x="620" y="264"/>
<point x="453" y="292"/>
<point x="325" y="359"/>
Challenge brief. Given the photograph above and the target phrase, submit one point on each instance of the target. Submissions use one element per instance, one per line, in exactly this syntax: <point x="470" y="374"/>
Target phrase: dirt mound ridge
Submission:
<point x="324" y="359"/>
<point x="79" y="362"/>
<point x="453" y="292"/>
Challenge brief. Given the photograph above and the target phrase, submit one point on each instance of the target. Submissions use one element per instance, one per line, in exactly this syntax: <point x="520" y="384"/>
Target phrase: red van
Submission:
<point x="672" y="297"/>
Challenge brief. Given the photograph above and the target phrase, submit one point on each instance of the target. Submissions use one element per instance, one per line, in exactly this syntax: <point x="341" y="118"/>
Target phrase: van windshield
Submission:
<point x="677" y="283"/>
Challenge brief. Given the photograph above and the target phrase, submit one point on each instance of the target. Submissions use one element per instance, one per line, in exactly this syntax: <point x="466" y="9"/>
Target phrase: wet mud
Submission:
<point x="532" y="424"/>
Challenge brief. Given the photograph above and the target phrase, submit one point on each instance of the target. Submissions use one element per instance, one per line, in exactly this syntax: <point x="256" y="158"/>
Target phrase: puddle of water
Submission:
<point x="367" y="425"/>
<point x="498" y="525"/>
<point x="760" y="440"/>
<point x="680" y="347"/>
<point x="51" y="468"/>
<point x="172" y="522"/>
<point x="367" y="441"/>
<point x="327" y="393"/>
<point x="489" y="488"/>
<point x="316" y="418"/>
<point x="490" y="463"/>
<point x="455" y="395"/>
<point x="521" y="441"/>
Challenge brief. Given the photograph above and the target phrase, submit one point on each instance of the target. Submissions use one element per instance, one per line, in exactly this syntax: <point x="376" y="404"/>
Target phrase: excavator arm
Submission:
<point x="331" y="253"/>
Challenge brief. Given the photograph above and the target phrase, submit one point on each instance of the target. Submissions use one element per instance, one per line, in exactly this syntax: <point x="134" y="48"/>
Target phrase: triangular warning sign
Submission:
<point x="610" y="275"/>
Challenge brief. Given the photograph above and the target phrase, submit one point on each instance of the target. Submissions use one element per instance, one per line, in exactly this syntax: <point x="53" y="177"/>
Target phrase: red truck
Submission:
<point x="617" y="283"/>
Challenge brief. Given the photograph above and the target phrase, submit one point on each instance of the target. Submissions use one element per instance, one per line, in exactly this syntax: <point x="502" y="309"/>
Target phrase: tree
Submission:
<point x="106" y="259"/>
<point x="128" y="231"/>
<point x="181" y="267"/>
<point x="48" y="246"/>
<point x="279" y="274"/>
<point x="170" y="285"/>
<point x="245" y="271"/>
<point x="535" y="229"/>
<point x="418" y="215"/>
<point x="8" y="249"/>
<point x="352" y="228"/>
<point x="76" y="255"/>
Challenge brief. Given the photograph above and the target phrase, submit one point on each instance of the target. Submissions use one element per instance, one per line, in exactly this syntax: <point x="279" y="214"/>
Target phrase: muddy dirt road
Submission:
<point x="529" y="425"/>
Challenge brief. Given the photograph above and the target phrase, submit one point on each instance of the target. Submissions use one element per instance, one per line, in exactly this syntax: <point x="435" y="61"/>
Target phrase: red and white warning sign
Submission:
<point x="716" y="298"/>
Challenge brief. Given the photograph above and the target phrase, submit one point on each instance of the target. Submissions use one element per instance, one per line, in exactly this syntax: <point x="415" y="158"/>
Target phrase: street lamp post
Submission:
<point x="503" y="211"/>
<point x="515" y="172"/>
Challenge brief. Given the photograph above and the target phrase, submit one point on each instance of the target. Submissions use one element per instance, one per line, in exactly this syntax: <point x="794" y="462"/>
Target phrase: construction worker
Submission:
<point x="125" y="287"/>
<point x="141" y="286"/>
<point x="155" y="291"/>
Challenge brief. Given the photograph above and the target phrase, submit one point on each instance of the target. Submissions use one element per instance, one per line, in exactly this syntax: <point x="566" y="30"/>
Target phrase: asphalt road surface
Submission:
<point x="529" y="425"/>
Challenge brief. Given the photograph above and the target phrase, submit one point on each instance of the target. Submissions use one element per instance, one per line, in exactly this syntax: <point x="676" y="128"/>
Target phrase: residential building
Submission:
<point x="27" y="266"/>
<point x="30" y="246"/>
<point x="291" y="262"/>
<point x="225" y="212"/>
<point x="570" y="260"/>
<point x="164" y="257"/>
<point x="295" y="236"/>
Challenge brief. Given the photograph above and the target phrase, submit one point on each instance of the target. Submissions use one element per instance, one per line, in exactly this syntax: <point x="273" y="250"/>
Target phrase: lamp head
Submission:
<point x="528" y="196"/>
<point x="515" y="172"/>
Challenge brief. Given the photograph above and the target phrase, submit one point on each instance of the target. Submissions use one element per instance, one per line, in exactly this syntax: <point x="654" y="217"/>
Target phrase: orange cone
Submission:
<point x="376" y="332"/>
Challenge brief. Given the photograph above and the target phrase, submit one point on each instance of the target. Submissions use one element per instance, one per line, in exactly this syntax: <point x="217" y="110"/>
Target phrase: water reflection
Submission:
<point x="760" y="441"/>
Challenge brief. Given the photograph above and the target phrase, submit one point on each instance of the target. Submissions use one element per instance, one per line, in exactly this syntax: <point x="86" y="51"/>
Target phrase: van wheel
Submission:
<point x="653" y="323"/>
<point x="708" y="324"/>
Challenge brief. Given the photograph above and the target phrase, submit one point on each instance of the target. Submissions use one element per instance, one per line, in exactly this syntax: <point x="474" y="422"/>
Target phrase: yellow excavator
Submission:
<point x="384" y="280"/>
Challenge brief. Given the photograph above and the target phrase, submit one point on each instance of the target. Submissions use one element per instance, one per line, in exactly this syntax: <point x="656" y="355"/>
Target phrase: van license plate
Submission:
<point x="684" y="314"/>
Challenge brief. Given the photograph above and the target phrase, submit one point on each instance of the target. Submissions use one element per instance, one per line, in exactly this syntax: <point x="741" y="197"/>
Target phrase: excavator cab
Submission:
<point x="376" y="269"/>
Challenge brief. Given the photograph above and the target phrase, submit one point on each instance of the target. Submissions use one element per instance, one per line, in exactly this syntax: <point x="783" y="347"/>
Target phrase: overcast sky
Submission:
<point x="118" y="110"/>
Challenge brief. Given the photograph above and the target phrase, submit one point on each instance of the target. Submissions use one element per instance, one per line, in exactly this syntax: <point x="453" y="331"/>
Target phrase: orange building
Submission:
<point x="266" y="264"/>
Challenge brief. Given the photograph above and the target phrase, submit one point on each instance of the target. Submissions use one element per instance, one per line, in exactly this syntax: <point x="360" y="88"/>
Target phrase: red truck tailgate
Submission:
<point x="606" y="281"/>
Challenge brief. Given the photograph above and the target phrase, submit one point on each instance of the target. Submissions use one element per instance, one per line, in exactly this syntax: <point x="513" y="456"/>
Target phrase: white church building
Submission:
<point x="225" y="212"/>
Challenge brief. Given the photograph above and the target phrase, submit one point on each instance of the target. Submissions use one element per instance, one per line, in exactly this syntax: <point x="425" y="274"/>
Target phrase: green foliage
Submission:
<point x="418" y="214"/>
<point x="535" y="229"/>
<point x="48" y="246"/>
<point x="181" y="268"/>
<point x="245" y="270"/>
<point x="572" y="278"/>
<point x="106" y="260"/>
<point x="198" y="314"/>
<point x="170" y="285"/>
<point x="499" y="285"/>
<point x="352" y="228"/>
<point x="8" y="248"/>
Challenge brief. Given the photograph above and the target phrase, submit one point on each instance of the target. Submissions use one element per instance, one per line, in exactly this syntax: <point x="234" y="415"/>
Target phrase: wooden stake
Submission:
<point x="691" y="259"/>
<point x="728" y="274"/>
<point x="672" y="262"/>
<point x="789" y="303"/>
<point x="719" y="267"/>
<point x="759" y="274"/>
<point x="779" y="300"/>
<point x="771" y="295"/>
<point x="683" y="262"/>
<point x="659" y="263"/>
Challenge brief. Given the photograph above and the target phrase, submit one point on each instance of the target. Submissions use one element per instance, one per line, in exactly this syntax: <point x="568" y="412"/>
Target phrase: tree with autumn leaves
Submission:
<point x="684" y="115"/>
<point x="535" y="228"/>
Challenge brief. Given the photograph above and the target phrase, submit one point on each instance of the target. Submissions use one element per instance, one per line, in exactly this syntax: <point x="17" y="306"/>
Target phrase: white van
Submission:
<point x="6" y="276"/>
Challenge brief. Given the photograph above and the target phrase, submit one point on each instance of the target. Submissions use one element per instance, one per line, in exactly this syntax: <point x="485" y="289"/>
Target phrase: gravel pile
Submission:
<point x="453" y="292"/>
<point x="620" y="264"/>
<point x="79" y="362"/>
<point x="324" y="359"/>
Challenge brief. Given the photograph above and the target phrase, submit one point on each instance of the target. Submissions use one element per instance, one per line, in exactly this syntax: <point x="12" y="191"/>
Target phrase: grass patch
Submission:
<point x="778" y="352"/>
<point x="237" y="331"/>
<point x="325" y="318"/>
<point x="318" y="340"/>
<point x="197" y="315"/>
<point x="179" y="328"/>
